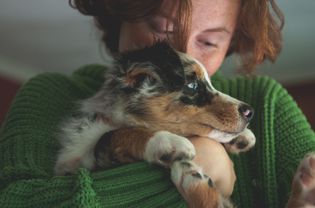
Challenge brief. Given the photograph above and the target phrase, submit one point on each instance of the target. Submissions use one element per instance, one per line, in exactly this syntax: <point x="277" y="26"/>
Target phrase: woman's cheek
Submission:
<point x="213" y="60"/>
<point x="214" y="65"/>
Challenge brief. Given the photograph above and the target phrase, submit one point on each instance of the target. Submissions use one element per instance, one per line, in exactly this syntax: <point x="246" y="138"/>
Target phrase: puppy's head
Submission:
<point x="162" y="89"/>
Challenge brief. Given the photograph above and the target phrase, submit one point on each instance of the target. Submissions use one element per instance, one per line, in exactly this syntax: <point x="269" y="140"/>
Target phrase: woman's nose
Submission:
<point x="193" y="51"/>
<point x="198" y="55"/>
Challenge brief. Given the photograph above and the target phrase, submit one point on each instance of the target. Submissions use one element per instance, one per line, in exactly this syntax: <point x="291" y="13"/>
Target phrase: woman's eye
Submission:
<point x="207" y="44"/>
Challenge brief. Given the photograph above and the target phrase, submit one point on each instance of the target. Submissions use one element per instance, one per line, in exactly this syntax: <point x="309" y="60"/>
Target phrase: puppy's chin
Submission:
<point x="222" y="136"/>
<point x="229" y="126"/>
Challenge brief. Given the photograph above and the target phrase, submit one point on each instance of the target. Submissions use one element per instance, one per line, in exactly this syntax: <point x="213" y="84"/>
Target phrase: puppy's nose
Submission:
<point x="246" y="112"/>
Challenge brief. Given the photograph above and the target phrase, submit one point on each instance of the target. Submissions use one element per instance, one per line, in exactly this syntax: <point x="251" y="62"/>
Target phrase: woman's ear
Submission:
<point x="138" y="74"/>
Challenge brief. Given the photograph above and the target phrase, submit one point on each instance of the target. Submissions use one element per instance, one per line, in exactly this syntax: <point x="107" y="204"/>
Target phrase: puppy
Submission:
<point x="151" y="101"/>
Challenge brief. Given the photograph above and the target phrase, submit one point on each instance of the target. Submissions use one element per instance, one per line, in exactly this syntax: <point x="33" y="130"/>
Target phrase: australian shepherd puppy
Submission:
<point x="151" y="101"/>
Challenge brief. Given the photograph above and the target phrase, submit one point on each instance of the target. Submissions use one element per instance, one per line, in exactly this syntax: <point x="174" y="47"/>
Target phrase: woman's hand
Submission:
<point x="215" y="162"/>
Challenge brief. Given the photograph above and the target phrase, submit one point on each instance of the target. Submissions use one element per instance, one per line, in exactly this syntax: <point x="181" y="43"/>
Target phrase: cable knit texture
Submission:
<point x="28" y="149"/>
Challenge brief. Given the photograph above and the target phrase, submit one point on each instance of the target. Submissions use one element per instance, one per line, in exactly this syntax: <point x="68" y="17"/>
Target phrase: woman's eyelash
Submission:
<point x="208" y="44"/>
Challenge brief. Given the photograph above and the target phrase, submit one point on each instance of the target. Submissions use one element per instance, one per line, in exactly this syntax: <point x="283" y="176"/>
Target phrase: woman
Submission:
<point x="208" y="30"/>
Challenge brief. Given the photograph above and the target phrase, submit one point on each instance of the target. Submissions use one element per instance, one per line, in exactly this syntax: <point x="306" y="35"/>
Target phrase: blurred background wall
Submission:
<point x="43" y="35"/>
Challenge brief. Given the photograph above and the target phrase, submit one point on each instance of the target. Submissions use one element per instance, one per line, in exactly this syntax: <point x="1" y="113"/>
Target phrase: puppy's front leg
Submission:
<point x="303" y="185"/>
<point x="245" y="141"/>
<point x="133" y="144"/>
<point x="197" y="188"/>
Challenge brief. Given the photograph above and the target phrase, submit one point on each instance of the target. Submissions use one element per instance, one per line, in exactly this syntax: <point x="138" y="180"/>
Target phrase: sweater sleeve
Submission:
<point x="28" y="148"/>
<point x="294" y="138"/>
<point x="283" y="137"/>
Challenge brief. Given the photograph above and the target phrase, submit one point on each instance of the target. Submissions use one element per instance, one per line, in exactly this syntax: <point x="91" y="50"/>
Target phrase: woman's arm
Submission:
<point x="216" y="163"/>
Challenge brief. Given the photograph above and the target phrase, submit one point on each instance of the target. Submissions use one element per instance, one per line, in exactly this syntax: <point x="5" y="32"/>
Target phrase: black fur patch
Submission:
<point x="210" y="183"/>
<point x="165" y="61"/>
<point x="102" y="151"/>
<point x="138" y="110"/>
<point x="197" y="175"/>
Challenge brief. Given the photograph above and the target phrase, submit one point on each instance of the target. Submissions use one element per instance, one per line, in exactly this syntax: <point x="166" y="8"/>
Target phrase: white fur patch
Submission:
<point x="245" y="137"/>
<point x="249" y="135"/>
<point x="78" y="140"/>
<point x="205" y="73"/>
<point x="165" y="143"/>
<point x="221" y="136"/>
<point x="207" y="78"/>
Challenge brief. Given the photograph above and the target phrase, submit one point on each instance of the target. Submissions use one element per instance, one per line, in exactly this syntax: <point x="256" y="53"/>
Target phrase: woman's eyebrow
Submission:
<point x="218" y="29"/>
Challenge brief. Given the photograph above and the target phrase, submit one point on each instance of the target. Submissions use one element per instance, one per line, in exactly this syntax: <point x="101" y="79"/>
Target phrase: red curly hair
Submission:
<point x="257" y="36"/>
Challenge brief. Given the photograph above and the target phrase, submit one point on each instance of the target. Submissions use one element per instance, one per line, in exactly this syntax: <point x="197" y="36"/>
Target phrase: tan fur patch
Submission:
<point x="188" y="120"/>
<point x="223" y="115"/>
<point x="199" y="72"/>
<point x="202" y="195"/>
<point x="128" y="144"/>
<point x="173" y="116"/>
<point x="134" y="74"/>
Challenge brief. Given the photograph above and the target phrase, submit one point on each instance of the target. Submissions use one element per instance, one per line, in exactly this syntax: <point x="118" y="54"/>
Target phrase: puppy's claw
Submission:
<point x="210" y="183"/>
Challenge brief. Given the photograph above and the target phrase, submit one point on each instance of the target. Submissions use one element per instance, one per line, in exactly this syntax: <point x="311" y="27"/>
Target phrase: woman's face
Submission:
<point x="213" y="25"/>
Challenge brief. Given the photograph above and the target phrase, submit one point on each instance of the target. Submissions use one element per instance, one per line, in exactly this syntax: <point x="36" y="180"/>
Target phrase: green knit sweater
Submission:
<point x="28" y="148"/>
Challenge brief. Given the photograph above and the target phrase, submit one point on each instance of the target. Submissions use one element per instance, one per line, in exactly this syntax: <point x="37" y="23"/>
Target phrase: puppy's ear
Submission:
<point x="138" y="74"/>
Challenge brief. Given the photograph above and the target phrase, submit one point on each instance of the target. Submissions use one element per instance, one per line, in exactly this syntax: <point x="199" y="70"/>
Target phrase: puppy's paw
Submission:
<point x="303" y="186"/>
<point x="197" y="188"/>
<point x="245" y="141"/>
<point x="164" y="148"/>
<point x="185" y="173"/>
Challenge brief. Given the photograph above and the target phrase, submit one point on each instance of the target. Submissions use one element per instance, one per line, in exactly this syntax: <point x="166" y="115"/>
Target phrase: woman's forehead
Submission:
<point x="208" y="14"/>
<point x="215" y="13"/>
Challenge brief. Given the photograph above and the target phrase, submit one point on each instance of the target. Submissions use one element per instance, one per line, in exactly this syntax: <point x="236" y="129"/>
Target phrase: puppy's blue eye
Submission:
<point x="191" y="88"/>
<point x="193" y="85"/>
